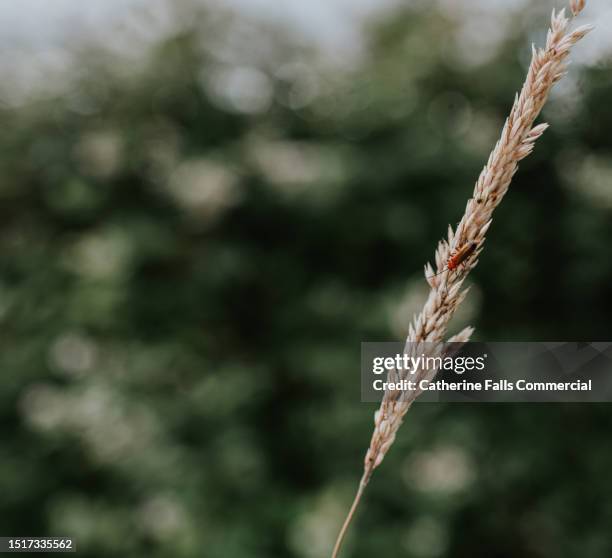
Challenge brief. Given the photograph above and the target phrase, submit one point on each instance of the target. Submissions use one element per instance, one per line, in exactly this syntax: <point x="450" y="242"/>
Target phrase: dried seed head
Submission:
<point x="517" y="140"/>
<point x="577" y="6"/>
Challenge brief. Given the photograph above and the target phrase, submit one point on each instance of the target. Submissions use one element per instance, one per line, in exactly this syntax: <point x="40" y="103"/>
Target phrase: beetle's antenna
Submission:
<point x="439" y="273"/>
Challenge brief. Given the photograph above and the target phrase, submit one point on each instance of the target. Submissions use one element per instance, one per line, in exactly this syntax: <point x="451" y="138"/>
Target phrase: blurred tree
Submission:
<point x="191" y="251"/>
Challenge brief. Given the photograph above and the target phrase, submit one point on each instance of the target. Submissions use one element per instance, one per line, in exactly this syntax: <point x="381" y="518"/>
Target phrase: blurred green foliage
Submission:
<point x="189" y="260"/>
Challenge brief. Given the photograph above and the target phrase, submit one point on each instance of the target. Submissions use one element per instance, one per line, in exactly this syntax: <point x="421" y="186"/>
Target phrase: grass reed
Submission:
<point x="548" y="65"/>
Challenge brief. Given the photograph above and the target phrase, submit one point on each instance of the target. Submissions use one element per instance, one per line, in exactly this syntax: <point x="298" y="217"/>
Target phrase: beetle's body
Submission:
<point x="461" y="255"/>
<point x="458" y="257"/>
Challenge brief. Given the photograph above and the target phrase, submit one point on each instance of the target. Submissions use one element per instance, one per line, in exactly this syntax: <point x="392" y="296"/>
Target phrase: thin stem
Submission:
<point x="362" y="484"/>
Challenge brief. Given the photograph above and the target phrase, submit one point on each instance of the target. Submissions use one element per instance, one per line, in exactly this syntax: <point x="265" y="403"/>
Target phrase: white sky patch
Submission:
<point x="37" y="35"/>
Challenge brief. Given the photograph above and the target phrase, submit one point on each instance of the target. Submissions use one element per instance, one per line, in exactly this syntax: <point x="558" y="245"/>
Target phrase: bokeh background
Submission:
<point x="206" y="207"/>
